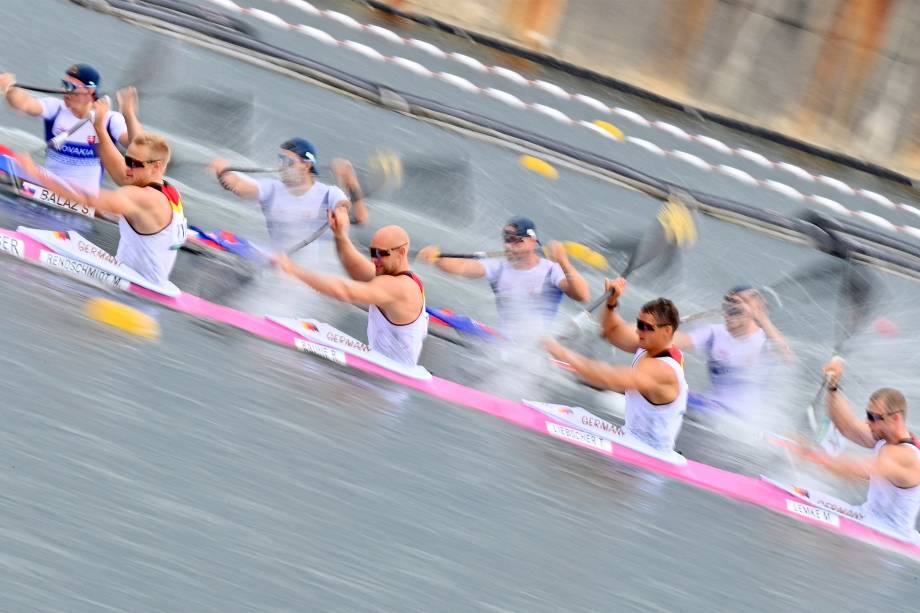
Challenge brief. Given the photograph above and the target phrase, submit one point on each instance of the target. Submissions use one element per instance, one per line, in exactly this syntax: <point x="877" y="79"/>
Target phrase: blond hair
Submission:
<point x="159" y="148"/>
<point x="893" y="400"/>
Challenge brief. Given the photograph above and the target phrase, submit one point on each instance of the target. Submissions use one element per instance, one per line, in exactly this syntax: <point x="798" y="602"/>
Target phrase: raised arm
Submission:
<point x="127" y="104"/>
<point x="356" y="265"/>
<point x="469" y="268"/>
<point x="574" y="285"/>
<point x="18" y="98"/>
<point x="112" y="159"/>
<point x="759" y="312"/>
<point x="840" y="412"/>
<point x="239" y="185"/>
<point x="614" y="328"/>
<point x="347" y="179"/>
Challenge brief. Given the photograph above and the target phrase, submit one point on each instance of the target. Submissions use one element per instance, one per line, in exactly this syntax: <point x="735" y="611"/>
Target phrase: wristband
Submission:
<point x="833" y="388"/>
<point x="355" y="194"/>
<point x="611" y="307"/>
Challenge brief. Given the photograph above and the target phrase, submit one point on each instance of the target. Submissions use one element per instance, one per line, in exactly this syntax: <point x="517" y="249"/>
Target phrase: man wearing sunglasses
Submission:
<point x="654" y="384"/>
<point x="151" y="220"/>
<point x="77" y="160"/>
<point x="740" y="354"/>
<point x="295" y="204"/>
<point x="397" y="323"/>
<point x="893" y="471"/>
<point x="528" y="288"/>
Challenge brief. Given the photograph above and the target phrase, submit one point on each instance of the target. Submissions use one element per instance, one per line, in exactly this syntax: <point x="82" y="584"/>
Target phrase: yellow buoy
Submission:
<point x="123" y="317"/>
<point x="609" y="128"/>
<point x="539" y="166"/>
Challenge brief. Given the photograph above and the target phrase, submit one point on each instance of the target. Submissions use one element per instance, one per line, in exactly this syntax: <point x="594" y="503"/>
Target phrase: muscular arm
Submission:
<point x="651" y="378"/>
<point x="379" y="291"/>
<point x="470" y="269"/>
<point x="620" y="334"/>
<point x="840" y="413"/>
<point x="23" y="101"/>
<point x="842" y="466"/>
<point x="239" y="185"/>
<point x="574" y="285"/>
<point x="134" y="128"/>
<point x="356" y="265"/>
<point x="124" y="201"/>
<point x="112" y="159"/>
<point x="777" y="339"/>
<point x="896" y="463"/>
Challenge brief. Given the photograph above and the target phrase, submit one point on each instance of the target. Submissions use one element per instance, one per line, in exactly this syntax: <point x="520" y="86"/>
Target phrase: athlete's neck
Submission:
<point x="79" y="110"/>
<point x="743" y="331"/>
<point x="901" y="434"/>
<point x="302" y="187"/>
<point x="524" y="262"/>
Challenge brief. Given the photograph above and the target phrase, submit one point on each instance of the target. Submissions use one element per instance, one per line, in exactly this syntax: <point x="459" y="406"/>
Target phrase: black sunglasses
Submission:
<point x="513" y="239"/>
<point x="68" y="87"/>
<point x="382" y="253"/>
<point x="643" y="325"/>
<point x="874" y="417"/>
<point x="131" y="162"/>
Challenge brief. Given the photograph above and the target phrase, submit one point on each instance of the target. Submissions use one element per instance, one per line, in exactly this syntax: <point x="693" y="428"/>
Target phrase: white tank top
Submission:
<point x="657" y="425"/>
<point x="402" y="343"/>
<point x="892" y="508"/>
<point x="153" y="255"/>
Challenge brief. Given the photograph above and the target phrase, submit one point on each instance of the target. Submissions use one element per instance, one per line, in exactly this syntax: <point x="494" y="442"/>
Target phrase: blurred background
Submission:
<point x="841" y="74"/>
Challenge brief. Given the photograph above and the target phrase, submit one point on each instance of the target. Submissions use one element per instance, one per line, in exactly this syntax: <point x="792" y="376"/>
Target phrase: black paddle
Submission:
<point x="857" y="292"/>
<point x="673" y="229"/>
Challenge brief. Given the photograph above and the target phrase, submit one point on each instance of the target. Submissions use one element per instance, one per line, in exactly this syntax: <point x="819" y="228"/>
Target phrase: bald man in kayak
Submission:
<point x="397" y="322"/>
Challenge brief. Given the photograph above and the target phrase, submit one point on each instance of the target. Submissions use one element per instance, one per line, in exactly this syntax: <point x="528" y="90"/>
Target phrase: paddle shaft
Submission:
<point x="41" y="90"/>
<point x="857" y="318"/>
<point x="631" y="266"/>
<point x="476" y="255"/>
<point x="316" y="234"/>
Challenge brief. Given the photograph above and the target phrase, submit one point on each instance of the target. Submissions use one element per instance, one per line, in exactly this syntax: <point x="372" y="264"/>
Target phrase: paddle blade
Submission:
<point x="676" y="229"/>
<point x="585" y="254"/>
<point x="857" y="300"/>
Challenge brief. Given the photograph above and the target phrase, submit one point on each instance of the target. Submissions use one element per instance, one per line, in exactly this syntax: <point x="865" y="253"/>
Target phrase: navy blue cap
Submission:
<point x="303" y="148"/>
<point x="85" y="74"/>
<point x="523" y="226"/>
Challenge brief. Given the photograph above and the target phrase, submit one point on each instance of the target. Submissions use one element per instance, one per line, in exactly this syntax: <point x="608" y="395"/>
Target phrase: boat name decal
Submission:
<point x="97" y="252"/>
<point x="841" y="509"/>
<point x="37" y="192"/>
<point x="579" y="436"/>
<point x="327" y="353"/>
<point x="344" y="339"/>
<point x="12" y="245"/>
<point x="80" y="269"/>
<point x="806" y="510"/>
<point x="597" y="423"/>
